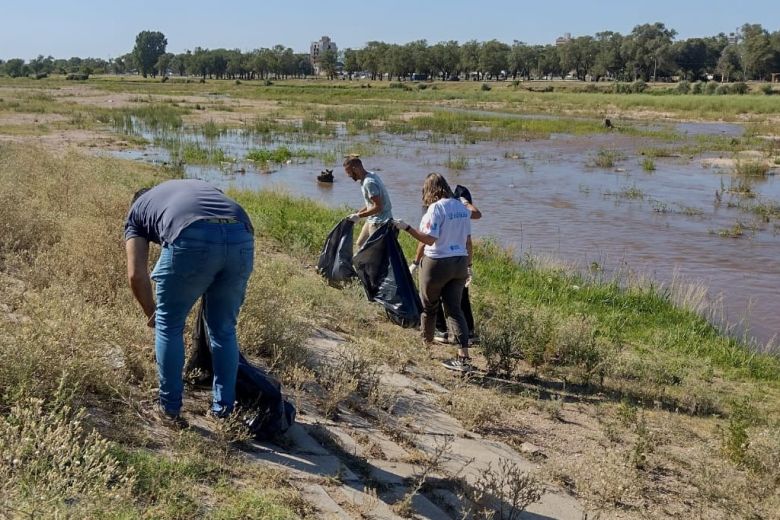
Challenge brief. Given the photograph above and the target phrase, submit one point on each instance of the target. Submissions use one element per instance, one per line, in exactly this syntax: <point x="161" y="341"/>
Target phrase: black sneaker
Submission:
<point x="459" y="364"/>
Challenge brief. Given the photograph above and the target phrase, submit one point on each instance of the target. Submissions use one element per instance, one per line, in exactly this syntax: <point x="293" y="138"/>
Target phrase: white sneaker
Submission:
<point x="459" y="364"/>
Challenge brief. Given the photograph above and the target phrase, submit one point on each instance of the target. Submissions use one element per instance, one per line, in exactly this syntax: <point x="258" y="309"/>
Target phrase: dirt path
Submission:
<point x="364" y="467"/>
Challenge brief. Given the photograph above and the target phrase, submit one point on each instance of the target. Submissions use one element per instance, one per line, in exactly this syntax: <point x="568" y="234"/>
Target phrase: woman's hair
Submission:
<point x="435" y="188"/>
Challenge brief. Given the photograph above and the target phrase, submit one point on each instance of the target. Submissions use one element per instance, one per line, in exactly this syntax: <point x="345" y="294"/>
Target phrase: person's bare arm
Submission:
<point x="469" y="249"/>
<point x="137" y="250"/>
<point x="375" y="207"/>
<point x="476" y="214"/>
<point x="418" y="254"/>
<point x="418" y="235"/>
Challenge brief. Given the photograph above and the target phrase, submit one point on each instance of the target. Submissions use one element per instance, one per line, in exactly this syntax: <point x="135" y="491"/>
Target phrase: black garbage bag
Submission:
<point x="462" y="191"/>
<point x="259" y="396"/>
<point x="335" y="261"/>
<point x="382" y="268"/>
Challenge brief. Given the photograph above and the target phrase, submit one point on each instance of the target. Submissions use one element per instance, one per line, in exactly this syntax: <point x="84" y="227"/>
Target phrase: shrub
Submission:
<point x="767" y="89"/>
<point x="422" y="86"/>
<point x="485" y="87"/>
<point x="622" y="88"/>
<point x="49" y="464"/>
<point x="683" y="87"/>
<point x="164" y="79"/>
<point x="77" y="76"/>
<point x="740" y="87"/>
<point x="697" y="87"/>
<point x="514" y="334"/>
<point x="576" y="344"/>
<point x="722" y="90"/>
<point x="504" y="492"/>
<point x="396" y="84"/>
<point x="710" y="88"/>
<point x="638" y="86"/>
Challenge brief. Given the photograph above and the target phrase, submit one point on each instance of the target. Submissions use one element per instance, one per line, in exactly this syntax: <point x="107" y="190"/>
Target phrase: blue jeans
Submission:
<point x="208" y="259"/>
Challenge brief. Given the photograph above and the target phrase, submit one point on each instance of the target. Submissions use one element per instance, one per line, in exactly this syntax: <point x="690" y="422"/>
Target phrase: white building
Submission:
<point x="563" y="40"/>
<point x="318" y="48"/>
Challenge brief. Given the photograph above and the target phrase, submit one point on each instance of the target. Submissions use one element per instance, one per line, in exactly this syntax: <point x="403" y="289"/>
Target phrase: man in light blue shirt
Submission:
<point x="378" y="208"/>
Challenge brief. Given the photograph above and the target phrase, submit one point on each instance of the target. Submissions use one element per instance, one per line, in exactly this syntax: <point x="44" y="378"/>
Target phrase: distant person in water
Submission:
<point x="378" y="208"/>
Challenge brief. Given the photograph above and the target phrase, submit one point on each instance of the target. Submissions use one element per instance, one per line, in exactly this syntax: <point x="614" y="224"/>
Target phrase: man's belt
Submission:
<point x="220" y="220"/>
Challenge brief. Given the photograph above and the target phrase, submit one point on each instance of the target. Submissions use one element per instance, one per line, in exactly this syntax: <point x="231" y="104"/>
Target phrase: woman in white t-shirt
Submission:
<point x="445" y="230"/>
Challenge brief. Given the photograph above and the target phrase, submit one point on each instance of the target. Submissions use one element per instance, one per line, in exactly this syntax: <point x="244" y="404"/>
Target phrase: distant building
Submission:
<point x="563" y="40"/>
<point x="318" y="48"/>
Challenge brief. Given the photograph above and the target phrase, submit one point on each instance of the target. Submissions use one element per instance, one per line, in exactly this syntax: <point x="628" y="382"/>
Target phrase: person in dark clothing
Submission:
<point x="207" y="244"/>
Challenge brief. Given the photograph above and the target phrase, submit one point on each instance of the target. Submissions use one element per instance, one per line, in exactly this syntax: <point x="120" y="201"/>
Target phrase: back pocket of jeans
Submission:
<point x="188" y="261"/>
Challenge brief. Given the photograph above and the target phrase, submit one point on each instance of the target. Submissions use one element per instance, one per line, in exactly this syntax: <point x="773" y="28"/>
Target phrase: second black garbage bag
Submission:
<point x="384" y="272"/>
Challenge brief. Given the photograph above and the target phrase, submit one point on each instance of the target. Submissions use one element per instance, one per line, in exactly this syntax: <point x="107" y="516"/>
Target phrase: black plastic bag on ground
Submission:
<point x="382" y="268"/>
<point x="335" y="261"/>
<point x="264" y="410"/>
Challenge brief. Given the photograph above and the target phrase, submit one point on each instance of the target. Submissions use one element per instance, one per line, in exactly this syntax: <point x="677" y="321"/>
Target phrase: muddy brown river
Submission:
<point x="544" y="198"/>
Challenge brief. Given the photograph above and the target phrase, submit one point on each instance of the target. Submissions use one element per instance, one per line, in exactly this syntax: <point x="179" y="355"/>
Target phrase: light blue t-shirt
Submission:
<point x="373" y="186"/>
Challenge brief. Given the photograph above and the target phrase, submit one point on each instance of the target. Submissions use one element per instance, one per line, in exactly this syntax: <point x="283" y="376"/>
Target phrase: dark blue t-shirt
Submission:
<point x="160" y="214"/>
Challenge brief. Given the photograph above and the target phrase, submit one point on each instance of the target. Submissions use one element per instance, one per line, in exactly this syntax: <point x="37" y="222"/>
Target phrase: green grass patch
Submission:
<point x="279" y="155"/>
<point x="640" y="316"/>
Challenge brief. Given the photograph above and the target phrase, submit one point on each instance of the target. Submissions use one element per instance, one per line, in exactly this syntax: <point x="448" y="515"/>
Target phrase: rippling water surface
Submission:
<point x="543" y="197"/>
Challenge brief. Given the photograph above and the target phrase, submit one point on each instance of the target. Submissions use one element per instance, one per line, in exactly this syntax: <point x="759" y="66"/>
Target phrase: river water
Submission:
<point x="544" y="198"/>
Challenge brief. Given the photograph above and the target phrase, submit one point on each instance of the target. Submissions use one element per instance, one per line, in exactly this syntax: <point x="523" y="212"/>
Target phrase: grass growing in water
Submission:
<point x="606" y="158"/>
<point x="459" y="162"/>
<point x="278" y="155"/>
<point x="751" y="168"/>
<point x="648" y="164"/>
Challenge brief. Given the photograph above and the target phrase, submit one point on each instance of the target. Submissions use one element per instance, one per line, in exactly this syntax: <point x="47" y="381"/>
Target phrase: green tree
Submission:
<point x="548" y="62"/>
<point x="15" y="68"/>
<point x="469" y="58"/>
<point x="522" y="59"/>
<point x="647" y="49"/>
<point x="41" y="65"/>
<point x="351" y="63"/>
<point x="328" y="63"/>
<point x="729" y="63"/>
<point x="609" y="61"/>
<point x="181" y="63"/>
<point x="757" y="52"/>
<point x="445" y="58"/>
<point x="578" y="55"/>
<point x="494" y="58"/>
<point x="164" y="63"/>
<point x="149" y="46"/>
<point x="692" y="57"/>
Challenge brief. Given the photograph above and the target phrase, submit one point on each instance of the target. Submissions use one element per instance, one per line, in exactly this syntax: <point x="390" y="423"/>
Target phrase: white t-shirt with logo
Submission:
<point x="450" y="222"/>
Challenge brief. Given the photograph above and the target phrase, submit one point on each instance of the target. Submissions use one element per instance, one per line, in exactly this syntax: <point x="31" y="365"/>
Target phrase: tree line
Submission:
<point x="649" y="52"/>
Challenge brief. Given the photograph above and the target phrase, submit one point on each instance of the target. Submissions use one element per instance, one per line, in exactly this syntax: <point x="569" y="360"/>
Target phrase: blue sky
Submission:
<point x="108" y="28"/>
